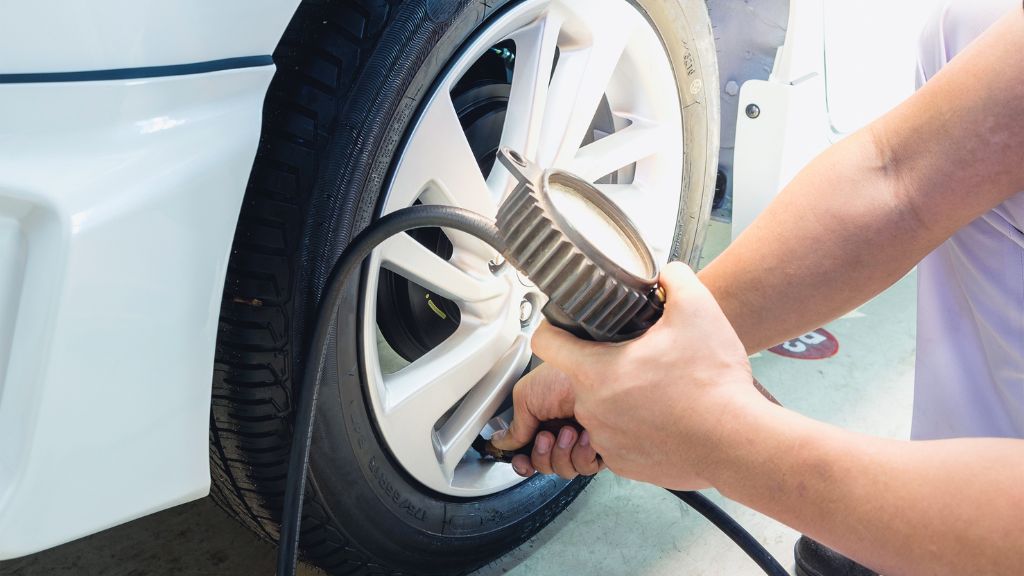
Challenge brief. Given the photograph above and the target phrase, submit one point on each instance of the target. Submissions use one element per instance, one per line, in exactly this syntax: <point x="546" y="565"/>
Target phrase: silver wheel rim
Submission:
<point x="430" y="411"/>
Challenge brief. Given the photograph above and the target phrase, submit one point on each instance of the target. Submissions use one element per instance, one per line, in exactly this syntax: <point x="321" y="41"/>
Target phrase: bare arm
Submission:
<point x="941" y="507"/>
<point x="877" y="202"/>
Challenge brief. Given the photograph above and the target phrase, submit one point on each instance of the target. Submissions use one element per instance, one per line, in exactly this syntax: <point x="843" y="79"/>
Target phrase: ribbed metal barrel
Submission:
<point x="604" y="304"/>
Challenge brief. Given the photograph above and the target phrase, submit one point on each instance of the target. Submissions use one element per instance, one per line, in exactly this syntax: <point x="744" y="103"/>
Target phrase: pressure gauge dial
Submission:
<point x="579" y="248"/>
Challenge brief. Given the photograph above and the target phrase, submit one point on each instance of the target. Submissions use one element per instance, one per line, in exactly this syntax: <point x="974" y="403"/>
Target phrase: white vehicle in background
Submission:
<point x="177" y="178"/>
<point x="842" y="64"/>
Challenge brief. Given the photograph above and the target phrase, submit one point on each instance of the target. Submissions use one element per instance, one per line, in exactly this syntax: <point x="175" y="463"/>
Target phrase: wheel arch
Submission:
<point x="748" y="36"/>
<point x="118" y="256"/>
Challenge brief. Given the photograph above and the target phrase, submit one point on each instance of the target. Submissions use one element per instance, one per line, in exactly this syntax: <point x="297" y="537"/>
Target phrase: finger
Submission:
<point x="687" y="300"/>
<point x="561" y="454"/>
<point x="561" y="349"/>
<point x="677" y="279"/>
<point x="521" y="464"/>
<point x="584" y="457"/>
<point x="524" y="422"/>
<point x="541" y="456"/>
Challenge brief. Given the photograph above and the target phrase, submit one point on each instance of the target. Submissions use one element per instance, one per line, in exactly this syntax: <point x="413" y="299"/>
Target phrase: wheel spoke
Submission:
<point x="585" y="66"/>
<point x="436" y="381"/>
<point x="535" y="55"/>
<point x="640" y="140"/>
<point x="438" y="166"/>
<point x="404" y="255"/>
<point x="459" y="431"/>
<point x="420" y="394"/>
<point x="642" y="206"/>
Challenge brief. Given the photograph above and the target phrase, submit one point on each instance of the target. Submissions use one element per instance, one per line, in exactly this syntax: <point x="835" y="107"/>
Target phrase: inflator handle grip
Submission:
<point x="488" y="450"/>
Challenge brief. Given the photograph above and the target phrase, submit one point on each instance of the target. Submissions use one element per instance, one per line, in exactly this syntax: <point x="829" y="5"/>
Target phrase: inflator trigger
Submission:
<point x="489" y="451"/>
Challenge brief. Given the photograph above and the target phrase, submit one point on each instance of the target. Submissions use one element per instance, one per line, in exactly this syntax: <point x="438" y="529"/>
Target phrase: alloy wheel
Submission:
<point x="590" y="90"/>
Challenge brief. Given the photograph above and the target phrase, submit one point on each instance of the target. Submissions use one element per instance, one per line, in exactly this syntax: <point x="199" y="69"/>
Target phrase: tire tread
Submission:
<point x="318" y="60"/>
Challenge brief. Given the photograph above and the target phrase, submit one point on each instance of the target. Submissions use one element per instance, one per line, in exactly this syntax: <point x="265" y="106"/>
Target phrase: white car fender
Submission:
<point x="124" y="156"/>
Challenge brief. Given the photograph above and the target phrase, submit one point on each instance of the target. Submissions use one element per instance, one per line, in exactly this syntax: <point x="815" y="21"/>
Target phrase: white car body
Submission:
<point x="118" y="202"/>
<point x="127" y="134"/>
<point x="843" y="64"/>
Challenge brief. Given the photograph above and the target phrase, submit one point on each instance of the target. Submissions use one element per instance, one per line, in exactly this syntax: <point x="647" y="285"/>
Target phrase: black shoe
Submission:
<point x="815" y="559"/>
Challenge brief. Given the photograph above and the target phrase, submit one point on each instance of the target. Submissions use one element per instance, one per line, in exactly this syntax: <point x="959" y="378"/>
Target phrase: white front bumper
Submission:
<point x="118" y="204"/>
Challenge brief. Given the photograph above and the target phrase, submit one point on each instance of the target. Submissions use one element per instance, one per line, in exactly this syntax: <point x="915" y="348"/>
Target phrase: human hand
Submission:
<point x="653" y="408"/>
<point x="545" y="395"/>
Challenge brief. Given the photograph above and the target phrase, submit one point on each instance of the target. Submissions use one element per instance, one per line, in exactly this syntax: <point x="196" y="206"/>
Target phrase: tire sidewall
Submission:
<point x="351" y="471"/>
<point x="686" y="33"/>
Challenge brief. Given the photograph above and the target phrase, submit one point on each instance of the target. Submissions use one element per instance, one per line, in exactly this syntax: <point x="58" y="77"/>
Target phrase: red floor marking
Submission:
<point x="815" y="345"/>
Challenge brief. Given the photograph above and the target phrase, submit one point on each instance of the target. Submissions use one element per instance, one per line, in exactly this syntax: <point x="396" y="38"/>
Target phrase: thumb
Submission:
<point x="678" y="278"/>
<point x="682" y="287"/>
<point x="563" y="350"/>
<point x="524" y="422"/>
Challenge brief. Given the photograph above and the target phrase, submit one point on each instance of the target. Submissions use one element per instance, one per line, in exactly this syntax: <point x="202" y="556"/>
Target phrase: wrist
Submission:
<point x="752" y="431"/>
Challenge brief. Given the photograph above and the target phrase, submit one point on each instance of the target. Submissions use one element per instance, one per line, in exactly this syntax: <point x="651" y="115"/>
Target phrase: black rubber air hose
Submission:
<point x="398" y="222"/>
<point x="733" y="530"/>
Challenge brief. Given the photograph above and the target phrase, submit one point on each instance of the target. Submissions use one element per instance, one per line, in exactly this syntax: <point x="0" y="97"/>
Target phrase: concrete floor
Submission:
<point x="617" y="527"/>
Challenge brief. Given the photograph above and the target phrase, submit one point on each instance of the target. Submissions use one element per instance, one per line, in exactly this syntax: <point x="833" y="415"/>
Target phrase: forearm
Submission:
<point x="941" y="507"/>
<point x="836" y="236"/>
<point x="862" y="214"/>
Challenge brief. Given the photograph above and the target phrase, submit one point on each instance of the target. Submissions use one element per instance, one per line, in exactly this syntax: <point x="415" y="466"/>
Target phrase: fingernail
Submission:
<point x="585" y="438"/>
<point x="498" y="436"/>
<point x="519" y="468"/>
<point x="565" y="438"/>
<point x="543" y="444"/>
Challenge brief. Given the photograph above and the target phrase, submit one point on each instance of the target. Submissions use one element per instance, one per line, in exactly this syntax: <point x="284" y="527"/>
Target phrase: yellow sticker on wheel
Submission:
<point x="436" y="309"/>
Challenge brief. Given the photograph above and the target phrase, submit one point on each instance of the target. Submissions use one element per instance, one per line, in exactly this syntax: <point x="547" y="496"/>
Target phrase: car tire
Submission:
<point x="351" y="77"/>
